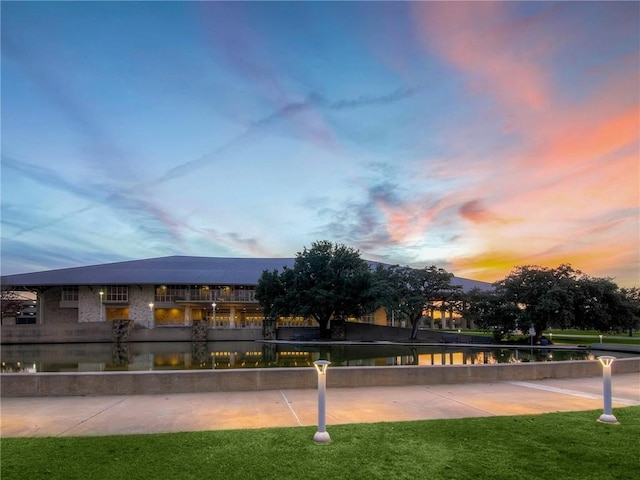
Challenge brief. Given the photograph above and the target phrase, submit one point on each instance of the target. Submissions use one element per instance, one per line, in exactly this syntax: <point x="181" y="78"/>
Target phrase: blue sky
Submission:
<point x="473" y="136"/>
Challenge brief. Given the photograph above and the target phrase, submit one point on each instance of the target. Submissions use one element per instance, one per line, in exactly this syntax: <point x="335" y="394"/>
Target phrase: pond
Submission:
<point x="94" y="357"/>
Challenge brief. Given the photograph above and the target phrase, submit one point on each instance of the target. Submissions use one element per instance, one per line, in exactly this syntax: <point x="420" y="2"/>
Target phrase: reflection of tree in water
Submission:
<point x="199" y="331"/>
<point x="200" y="353"/>
<point x="269" y="355"/>
<point x="414" y="355"/>
<point x="120" y="353"/>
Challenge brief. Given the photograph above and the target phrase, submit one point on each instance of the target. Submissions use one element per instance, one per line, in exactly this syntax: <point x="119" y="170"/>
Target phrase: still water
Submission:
<point x="93" y="357"/>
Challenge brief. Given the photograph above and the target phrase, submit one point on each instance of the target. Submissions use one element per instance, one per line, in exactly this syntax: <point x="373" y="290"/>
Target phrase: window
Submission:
<point x="69" y="294"/>
<point x="117" y="293"/>
<point x="171" y="293"/>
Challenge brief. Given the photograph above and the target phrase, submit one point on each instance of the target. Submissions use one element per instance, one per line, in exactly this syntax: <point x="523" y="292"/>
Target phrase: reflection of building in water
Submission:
<point x="214" y="355"/>
<point x="18" y="367"/>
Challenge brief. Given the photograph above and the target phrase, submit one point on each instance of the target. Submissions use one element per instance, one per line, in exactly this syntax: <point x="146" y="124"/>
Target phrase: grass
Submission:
<point x="568" y="337"/>
<point x="560" y="446"/>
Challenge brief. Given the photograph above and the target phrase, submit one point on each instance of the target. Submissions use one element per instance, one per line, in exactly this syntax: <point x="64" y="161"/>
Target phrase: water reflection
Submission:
<point x="226" y="355"/>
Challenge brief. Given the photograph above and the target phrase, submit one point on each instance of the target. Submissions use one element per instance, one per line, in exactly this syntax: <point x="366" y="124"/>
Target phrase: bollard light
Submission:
<point x="322" y="436"/>
<point x="607" y="416"/>
<point x="600" y="338"/>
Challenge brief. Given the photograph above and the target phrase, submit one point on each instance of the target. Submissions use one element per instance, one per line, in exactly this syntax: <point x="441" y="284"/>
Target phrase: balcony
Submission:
<point x="209" y="296"/>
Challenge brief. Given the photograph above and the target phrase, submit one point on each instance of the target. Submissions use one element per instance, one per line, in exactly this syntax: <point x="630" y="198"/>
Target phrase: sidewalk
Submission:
<point x="140" y="414"/>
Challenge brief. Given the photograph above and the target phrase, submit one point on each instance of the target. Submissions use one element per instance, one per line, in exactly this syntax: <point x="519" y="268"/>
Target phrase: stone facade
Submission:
<point x="139" y="299"/>
<point x="89" y="305"/>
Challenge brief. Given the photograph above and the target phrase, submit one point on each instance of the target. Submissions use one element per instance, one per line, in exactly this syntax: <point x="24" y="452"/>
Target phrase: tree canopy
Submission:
<point x="562" y="297"/>
<point x="327" y="282"/>
<point x="330" y="283"/>
<point x="411" y="290"/>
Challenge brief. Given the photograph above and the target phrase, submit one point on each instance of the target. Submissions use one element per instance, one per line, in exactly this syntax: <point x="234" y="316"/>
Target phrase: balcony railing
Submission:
<point x="209" y="296"/>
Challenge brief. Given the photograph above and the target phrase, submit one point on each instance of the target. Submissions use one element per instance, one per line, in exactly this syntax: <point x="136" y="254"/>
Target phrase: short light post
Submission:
<point x="150" y="322"/>
<point x="532" y="333"/>
<point x="607" y="416"/>
<point x="550" y="337"/>
<point x="101" y="305"/>
<point x="213" y="320"/>
<point x="322" y="436"/>
<point x="600" y="338"/>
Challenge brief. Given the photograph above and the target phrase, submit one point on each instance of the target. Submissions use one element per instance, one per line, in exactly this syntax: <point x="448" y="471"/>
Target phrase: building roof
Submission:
<point x="174" y="270"/>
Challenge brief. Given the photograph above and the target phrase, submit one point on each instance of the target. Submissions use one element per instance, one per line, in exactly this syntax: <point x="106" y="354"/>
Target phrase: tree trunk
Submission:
<point x="325" y="333"/>
<point x="414" y="328"/>
<point x="269" y="331"/>
<point x="338" y="330"/>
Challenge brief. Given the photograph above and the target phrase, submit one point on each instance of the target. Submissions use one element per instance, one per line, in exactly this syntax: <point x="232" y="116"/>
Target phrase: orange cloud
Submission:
<point x="569" y="182"/>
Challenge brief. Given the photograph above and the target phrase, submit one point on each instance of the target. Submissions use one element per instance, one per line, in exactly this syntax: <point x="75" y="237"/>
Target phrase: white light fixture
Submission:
<point x="607" y="416"/>
<point x="322" y="436"/>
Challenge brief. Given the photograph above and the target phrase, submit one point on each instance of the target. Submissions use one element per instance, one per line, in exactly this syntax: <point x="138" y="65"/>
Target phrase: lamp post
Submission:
<point x="101" y="294"/>
<point x="532" y="332"/>
<point x="607" y="416"/>
<point x="150" y="322"/>
<point x="213" y="305"/>
<point x="322" y="436"/>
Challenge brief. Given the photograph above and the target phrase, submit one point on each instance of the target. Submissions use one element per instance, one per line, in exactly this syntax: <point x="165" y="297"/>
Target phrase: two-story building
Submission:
<point x="165" y="292"/>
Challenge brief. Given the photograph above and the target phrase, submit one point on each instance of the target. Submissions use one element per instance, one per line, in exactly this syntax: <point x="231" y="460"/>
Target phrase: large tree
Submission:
<point x="491" y="311"/>
<point x="597" y="303"/>
<point x="328" y="282"/>
<point x="411" y="291"/>
<point x="545" y="296"/>
<point x="629" y="314"/>
<point x="272" y="292"/>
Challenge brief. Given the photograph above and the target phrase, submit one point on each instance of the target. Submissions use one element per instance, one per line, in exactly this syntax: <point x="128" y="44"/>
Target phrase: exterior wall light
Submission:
<point x="101" y="305"/>
<point x="151" y="321"/>
<point x="322" y="436"/>
<point x="607" y="416"/>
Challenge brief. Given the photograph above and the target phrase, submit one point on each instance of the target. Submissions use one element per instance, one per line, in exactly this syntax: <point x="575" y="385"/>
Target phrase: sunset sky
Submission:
<point x="471" y="136"/>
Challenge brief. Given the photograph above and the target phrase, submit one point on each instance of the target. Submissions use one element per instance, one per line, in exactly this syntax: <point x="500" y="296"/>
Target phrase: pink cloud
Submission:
<point x="566" y="186"/>
<point x="479" y="39"/>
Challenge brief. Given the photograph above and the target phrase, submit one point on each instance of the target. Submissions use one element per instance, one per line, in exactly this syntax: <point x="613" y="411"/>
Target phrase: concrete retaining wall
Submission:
<point x="164" y="382"/>
<point x="100" y="332"/>
<point x="57" y="333"/>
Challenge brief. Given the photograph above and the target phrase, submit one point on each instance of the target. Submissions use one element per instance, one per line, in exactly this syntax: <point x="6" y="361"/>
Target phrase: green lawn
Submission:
<point x="553" y="446"/>
<point x="567" y="337"/>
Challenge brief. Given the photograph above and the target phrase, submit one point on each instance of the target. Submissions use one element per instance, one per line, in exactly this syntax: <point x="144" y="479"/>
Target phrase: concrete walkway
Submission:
<point x="140" y="414"/>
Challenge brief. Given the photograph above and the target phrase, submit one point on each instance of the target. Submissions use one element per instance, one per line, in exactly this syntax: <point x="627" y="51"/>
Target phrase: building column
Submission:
<point x="232" y="317"/>
<point x="40" y="310"/>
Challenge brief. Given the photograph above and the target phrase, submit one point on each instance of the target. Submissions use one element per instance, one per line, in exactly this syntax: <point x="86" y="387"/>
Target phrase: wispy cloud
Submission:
<point x="475" y="135"/>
